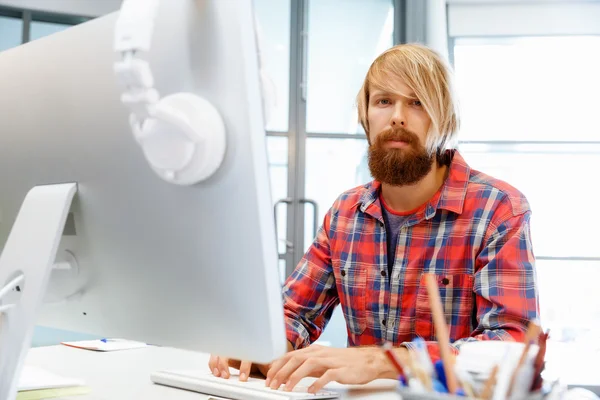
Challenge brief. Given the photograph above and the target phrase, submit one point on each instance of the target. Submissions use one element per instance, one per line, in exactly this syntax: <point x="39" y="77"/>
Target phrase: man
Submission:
<point x="426" y="212"/>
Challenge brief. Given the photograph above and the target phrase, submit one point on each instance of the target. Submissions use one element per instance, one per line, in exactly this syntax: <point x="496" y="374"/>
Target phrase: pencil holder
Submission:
<point x="407" y="394"/>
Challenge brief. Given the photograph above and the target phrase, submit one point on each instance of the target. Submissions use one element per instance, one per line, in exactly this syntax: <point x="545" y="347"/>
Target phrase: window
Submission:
<point x="40" y="29"/>
<point x="332" y="167"/>
<point x="273" y="24"/>
<point x="21" y="26"/>
<point x="343" y="40"/>
<point x="11" y="32"/>
<point x="529" y="107"/>
<point x="529" y="89"/>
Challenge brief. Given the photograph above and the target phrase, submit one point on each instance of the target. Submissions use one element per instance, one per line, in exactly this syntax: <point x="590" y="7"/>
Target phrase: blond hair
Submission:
<point x="424" y="71"/>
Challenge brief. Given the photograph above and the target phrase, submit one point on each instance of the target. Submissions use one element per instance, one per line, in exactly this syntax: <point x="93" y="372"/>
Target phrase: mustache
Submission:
<point x="399" y="134"/>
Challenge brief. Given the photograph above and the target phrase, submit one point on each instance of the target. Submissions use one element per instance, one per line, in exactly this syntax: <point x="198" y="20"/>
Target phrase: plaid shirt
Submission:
<point x="473" y="235"/>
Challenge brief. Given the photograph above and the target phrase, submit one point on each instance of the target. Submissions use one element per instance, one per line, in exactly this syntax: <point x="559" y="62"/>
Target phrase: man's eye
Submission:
<point x="416" y="103"/>
<point x="384" y="101"/>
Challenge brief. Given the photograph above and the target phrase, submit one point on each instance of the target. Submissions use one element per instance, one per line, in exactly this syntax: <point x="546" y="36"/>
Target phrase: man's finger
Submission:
<point x="310" y="351"/>
<point x="276" y="366"/>
<point x="223" y="367"/>
<point x="245" y="370"/>
<point x="213" y="364"/>
<point x="281" y="376"/>
<point x="329" y="376"/>
<point x="311" y="367"/>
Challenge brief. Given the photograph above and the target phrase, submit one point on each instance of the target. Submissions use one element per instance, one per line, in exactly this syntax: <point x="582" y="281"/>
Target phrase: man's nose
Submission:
<point x="398" y="117"/>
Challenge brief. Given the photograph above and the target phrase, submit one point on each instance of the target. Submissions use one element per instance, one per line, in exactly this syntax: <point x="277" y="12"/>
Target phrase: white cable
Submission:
<point x="11" y="285"/>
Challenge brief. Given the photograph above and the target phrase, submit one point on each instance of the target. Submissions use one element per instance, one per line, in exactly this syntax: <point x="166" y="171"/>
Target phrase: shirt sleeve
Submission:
<point x="505" y="282"/>
<point x="310" y="294"/>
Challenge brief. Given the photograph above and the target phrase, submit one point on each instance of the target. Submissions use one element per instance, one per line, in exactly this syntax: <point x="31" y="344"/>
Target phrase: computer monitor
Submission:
<point x="193" y="267"/>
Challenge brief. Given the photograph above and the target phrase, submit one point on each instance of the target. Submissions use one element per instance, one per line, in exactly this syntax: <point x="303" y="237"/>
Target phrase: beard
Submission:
<point x="399" y="166"/>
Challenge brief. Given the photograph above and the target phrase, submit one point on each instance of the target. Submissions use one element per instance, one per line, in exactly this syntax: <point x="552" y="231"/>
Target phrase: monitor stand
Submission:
<point x="25" y="264"/>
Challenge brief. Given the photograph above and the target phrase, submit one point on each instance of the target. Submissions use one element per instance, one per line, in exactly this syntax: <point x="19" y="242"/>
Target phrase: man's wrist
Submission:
<point x="385" y="367"/>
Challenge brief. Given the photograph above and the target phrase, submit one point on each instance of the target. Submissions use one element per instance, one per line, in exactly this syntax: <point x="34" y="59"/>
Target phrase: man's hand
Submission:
<point x="356" y="365"/>
<point x="219" y="366"/>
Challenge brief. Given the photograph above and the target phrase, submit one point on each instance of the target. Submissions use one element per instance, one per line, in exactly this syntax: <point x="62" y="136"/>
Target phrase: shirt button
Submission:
<point x="383" y="273"/>
<point x="343" y="272"/>
<point x="445" y="281"/>
<point x="383" y="322"/>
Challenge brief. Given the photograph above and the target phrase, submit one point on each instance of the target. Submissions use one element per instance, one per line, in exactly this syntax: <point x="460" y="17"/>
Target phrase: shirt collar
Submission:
<point x="452" y="196"/>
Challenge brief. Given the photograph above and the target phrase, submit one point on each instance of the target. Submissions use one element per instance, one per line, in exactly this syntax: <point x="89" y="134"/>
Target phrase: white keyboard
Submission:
<point x="232" y="388"/>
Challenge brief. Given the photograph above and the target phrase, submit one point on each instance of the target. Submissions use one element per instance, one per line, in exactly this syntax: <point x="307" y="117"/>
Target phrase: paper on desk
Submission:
<point x="106" y="344"/>
<point x="52" y="393"/>
<point x="34" y="378"/>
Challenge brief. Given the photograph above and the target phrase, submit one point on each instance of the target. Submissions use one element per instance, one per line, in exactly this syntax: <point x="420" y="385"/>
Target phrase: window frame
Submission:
<point x="28" y="16"/>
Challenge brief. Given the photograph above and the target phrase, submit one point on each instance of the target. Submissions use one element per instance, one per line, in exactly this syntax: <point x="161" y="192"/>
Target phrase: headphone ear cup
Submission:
<point x="184" y="140"/>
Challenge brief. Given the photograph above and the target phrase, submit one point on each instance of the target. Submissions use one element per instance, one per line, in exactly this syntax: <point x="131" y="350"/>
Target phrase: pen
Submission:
<point x="105" y="340"/>
<point x="389" y="352"/>
<point x="423" y="355"/>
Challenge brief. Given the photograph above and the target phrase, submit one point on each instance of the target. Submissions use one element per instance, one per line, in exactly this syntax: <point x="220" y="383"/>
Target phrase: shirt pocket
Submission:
<point x="353" y="298"/>
<point x="457" y="295"/>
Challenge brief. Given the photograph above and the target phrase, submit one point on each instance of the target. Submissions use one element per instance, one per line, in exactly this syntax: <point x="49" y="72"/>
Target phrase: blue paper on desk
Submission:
<point x="106" y="344"/>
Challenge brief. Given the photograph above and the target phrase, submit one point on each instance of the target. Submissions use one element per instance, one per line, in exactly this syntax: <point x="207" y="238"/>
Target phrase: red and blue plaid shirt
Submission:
<point x="473" y="235"/>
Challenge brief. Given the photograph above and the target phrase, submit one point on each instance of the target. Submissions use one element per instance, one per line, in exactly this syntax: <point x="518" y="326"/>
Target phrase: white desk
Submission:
<point x="126" y="374"/>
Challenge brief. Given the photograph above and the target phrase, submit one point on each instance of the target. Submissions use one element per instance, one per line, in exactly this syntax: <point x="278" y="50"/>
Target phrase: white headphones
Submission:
<point x="182" y="135"/>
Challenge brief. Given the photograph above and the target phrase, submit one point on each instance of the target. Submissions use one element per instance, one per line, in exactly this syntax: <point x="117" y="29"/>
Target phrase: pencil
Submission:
<point x="441" y="331"/>
<point x="420" y="372"/>
<point x="533" y="332"/>
<point x="488" y="387"/>
<point x="539" y="362"/>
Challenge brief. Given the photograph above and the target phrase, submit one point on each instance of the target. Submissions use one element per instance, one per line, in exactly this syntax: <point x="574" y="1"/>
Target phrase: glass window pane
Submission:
<point x="560" y="190"/>
<point x="282" y="271"/>
<point x="534" y="88"/>
<point x="332" y="167"/>
<point x="570" y="300"/>
<point x="11" y="32"/>
<point x="344" y="37"/>
<point x="277" y="148"/>
<point x="273" y="18"/>
<point x="335" y="333"/>
<point x="41" y="29"/>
